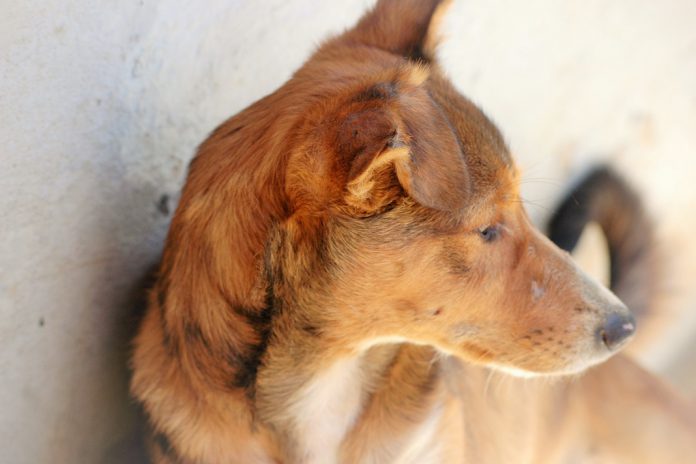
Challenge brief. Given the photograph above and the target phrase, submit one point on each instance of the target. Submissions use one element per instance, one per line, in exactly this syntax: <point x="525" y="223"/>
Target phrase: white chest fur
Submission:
<point x="325" y="409"/>
<point x="424" y="446"/>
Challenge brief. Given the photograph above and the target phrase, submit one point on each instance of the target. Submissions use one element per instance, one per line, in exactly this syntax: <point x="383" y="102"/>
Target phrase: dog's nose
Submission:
<point x="617" y="329"/>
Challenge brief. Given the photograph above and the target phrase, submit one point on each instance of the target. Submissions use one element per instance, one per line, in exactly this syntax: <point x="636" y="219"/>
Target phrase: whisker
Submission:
<point x="487" y="383"/>
<point x="555" y="183"/>
<point x="535" y="204"/>
<point x="537" y="164"/>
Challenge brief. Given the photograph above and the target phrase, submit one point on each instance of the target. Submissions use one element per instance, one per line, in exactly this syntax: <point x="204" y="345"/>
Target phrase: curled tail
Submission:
<point x="606" y="199"/>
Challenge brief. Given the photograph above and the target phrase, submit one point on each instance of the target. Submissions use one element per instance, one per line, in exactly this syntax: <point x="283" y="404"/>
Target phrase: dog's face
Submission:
<point x="405" y="210"/>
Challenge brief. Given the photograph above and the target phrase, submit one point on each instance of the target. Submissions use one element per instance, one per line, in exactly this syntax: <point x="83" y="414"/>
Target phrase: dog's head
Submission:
<point x="386" y="206"/>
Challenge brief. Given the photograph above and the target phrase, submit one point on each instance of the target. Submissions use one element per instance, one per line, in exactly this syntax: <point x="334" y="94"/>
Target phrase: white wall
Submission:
<point x="103" y="103"/>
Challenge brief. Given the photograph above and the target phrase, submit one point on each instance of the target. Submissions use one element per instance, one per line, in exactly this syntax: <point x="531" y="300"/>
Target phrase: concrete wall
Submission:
<point x="103" y="103"/>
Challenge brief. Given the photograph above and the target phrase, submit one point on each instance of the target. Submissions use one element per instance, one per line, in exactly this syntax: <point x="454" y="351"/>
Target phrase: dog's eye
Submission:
<point x="489" y="233"/>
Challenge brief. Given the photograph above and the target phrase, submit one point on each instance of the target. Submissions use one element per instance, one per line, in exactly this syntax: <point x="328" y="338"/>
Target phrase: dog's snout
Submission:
<point x="617" y="329"/>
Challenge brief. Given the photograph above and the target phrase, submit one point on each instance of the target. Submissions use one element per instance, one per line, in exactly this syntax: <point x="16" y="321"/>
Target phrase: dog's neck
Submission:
<point x="325" y="408"/>
<point x="323" y="399"/>
<point x="314" y="399"/>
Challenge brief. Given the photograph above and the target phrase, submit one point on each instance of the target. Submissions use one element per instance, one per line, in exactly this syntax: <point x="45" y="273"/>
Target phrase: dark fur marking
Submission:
<point x="311" y="329"/>
<point x="246" y="363"/>
<point x="161" y="294"/>
<point x="223" y="131"/>
<point x="382" y="91"/>
<point x="456" y="263"/>
<point x="194" y="335"/>
<point x="256" y="317"/>
<point x="324" y="259"/>
<point x="162" y="442"/>
<point x="166" y="449"/>
<point x="248" y="366"/>
<point x="161" y="297"/>
<point x="416" y="54"/>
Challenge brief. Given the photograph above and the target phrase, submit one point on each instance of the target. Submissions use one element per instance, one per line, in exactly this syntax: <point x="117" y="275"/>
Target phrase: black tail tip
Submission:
<point x="580" y="206"/>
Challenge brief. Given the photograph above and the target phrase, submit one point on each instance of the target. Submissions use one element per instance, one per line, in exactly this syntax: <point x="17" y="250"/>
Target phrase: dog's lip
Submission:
<point x="574" y="368"/>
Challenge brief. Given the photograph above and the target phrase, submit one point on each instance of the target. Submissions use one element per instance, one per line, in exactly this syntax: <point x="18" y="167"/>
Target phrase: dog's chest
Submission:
<point x="325" y="409"/>
<point x="425" y="445"/>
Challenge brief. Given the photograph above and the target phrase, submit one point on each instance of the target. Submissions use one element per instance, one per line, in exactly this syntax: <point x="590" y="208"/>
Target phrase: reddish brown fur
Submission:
<point x="338" y="221"/>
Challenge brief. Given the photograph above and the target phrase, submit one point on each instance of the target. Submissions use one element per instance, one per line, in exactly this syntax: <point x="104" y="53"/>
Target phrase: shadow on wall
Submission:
<point x="131" y="447"/>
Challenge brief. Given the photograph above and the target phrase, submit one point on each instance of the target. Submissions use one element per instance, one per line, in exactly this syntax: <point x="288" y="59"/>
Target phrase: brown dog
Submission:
<point x="349" y="266"/>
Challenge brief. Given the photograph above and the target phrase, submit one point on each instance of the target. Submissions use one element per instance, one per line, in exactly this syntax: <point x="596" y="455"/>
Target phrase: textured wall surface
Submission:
<point x="103" y="103"/>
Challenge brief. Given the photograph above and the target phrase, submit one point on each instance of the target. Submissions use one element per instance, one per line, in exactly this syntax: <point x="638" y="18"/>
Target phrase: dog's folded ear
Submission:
<point x="403" y="27"/>
<point x="406" y="141"/>
<point x="368" y="146"/>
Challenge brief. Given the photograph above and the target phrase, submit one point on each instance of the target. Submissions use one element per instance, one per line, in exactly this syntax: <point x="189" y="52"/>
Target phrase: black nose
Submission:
<point x="617" y="329"/>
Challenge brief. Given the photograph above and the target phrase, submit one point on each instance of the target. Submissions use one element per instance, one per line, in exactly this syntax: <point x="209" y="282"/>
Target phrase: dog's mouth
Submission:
<point x="562" y="357"/>
<point x="551" y="350"/>
<point x="566" y="367"/>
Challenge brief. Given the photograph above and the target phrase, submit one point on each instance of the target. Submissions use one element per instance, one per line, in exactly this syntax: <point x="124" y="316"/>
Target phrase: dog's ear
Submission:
<point x="404" y="27"/>
<point x="407" y="141"/>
